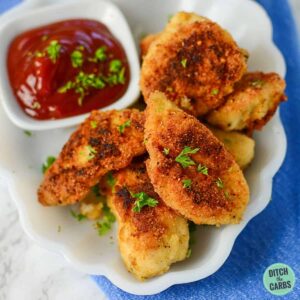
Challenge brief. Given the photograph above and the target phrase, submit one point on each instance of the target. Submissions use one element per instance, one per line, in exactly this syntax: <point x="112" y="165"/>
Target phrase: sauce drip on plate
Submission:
<point x="67" y="68"/>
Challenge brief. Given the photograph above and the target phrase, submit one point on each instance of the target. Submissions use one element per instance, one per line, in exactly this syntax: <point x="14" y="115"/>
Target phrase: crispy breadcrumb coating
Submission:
<point x="105" y="141"/>
<point x="194" y="61"/>
<point x="206" y="185"/>
<point x="152" y="239"/>
<point x="251" y="105"/>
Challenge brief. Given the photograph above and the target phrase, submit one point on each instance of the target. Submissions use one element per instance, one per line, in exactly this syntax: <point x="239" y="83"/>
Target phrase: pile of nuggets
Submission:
<point x="180" y="160"/>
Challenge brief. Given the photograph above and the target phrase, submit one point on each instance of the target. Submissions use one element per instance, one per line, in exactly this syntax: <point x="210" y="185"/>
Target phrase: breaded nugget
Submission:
<point x="105" y="141"/>
<point x="146" y="42"/>
<point x="195" y="62"/>
<point x="239" y="145"/>
<point x="152" y="239"/>
<point x="251" y="105"/>
<point x="189" y="168"/>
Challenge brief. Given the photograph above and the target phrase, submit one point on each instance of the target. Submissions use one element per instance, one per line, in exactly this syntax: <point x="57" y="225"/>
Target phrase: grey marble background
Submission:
<point x="30" y="272"/>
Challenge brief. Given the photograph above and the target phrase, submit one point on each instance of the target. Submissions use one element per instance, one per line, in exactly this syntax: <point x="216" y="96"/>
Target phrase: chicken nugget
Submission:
<point x="239" y="145"/>
<point x="251" y="105"/>
<point x="190" y="168"/>
<point x="104" y="141"/>
<point x="151" y="235"/>
<point x="195" y="62"/>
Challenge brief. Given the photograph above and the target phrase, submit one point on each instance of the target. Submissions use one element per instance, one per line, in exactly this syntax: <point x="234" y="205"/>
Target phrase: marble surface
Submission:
<point x="30" y="272"/>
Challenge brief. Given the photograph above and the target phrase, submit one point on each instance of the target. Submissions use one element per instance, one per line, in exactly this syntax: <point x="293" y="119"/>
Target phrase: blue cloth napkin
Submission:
<point x="274" y="235"/>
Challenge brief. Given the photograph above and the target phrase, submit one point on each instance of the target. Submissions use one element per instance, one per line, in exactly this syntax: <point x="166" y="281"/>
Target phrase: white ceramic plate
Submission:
<point x="21" y="158"/>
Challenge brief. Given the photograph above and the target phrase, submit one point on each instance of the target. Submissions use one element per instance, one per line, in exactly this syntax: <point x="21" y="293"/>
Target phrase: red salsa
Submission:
<point x="67" y="68"/>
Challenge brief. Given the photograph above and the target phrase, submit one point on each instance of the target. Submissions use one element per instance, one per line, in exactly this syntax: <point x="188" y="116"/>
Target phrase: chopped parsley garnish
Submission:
<point x="69" y="85"/>
<point x="202" y="169"/>
<point x="76" y="59"/>
<point x="142" y="200"/>
<point x="27" y="132"/>
<point x="226" y="194"/>
<point x="79" y="217"/>
<point x="219" y="183"/>
<point x="257" y="83"/>
<point x="105" y="224"/>
<point x="166" y="151"/>
<point x="82" y="83"/>
<point x="183" y="62"/>
<point x="115" y="66"/>
<point x="187" y="183"/>
<point x="94" y="124"/>
<point x="121" y="76"/>
<point x="100" y="54"/>
<point x="111" y="181"/>
<point x="91" y="152"/>
<point x="49" y="162"/>
<point x="215" y="92"/>
<point x="183" y="157"/>
<point x="53" y="50"/>
<point x="96" y="190"/>
<point x="121" y="128"/>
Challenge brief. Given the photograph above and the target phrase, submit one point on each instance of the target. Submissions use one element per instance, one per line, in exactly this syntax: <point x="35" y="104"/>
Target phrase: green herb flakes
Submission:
<point x="183" y="157"/>
<point x="184" y="62"/>
<point x="166" y="151"/>
<point x="186" y="183"/>
<point x="257" y="83"/>
<point x="91" y="152"/>
<point x="219" y="183"/>
<point x="69" y="85"/>
<point x="53" y="50"/>
<point x="121" y="128"/>
<point x="94" y="124"/>
<point x="105" y="224"/>
<point x="111" y="181"/>
<point x="115" y="66"/>
<point x="142" y="200"/>
<point x="76" y="59"/>
<point x="79" y="217"/>
<point x="49" y="161"/>
<point x="27" y="132"/>
<point x="96" y="190"/>
<point x="202" y="169"/>
<point x="215" y="92"/>
<point x="100" y="54"/>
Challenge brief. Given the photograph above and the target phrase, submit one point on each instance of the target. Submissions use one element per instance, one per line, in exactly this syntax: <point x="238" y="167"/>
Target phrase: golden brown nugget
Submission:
<point x="152" y="239"/>
<point x="190" y="169"/>
<point x="251" y="105"/>
<point x="239" y="145"/>
<point x="195" y="62"/>
<point x="105" y="141"/>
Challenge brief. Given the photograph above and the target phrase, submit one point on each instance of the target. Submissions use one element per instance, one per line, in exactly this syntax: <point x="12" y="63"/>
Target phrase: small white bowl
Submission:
<point x="100" y="10"/>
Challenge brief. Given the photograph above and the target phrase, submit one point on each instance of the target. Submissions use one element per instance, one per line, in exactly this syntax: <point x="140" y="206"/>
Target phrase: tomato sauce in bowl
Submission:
<point x="67" y="68"/>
